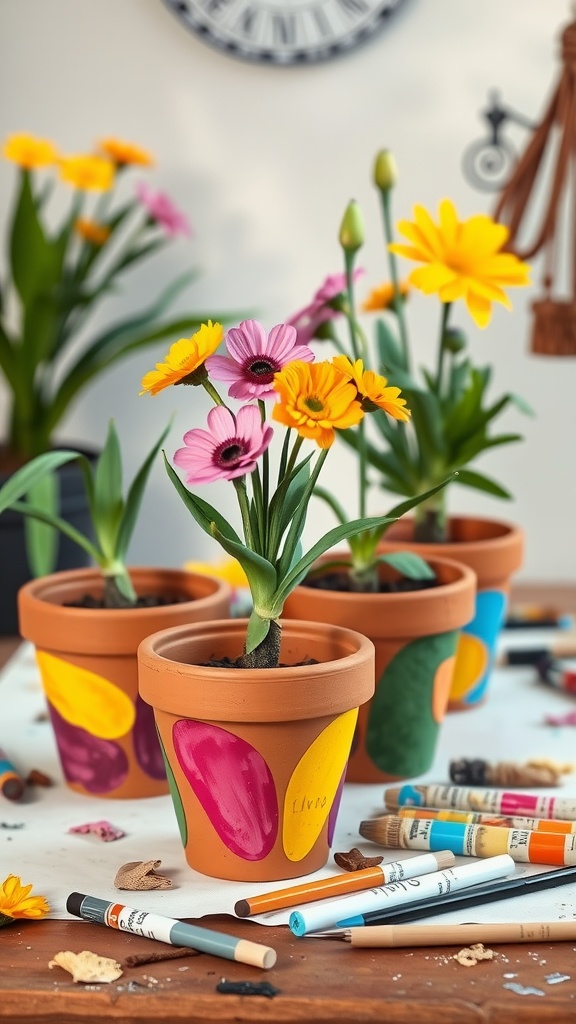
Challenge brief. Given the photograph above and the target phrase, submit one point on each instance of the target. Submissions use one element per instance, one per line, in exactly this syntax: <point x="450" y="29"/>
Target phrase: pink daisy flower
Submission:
<point x="162" y="210"/>
<point x="254" y="357"/>
<point x="229" y="448"/>
<point x="309" y="319"/>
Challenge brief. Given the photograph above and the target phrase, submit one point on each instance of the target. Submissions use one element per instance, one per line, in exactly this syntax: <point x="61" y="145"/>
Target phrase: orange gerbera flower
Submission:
<point x="184" y="357"/>
<point x="316" y="399"/>
<point x="382" y="296"/>
<point x="123" y="153"/>
<point x="462" y="259"/>
<point x="16" y="902"/>
<point x="91" y="231"/>
<point x="88" y="173"/>
<point x="30" y="152"/>
<point x="373" y="389"/>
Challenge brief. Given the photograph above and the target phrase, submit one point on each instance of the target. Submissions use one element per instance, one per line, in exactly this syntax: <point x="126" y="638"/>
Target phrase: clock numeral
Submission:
<point x="247" y="22"/>
<point x="215" y="6"/>
<point x="322" y="23"/>
<point x="353" y="6"/>
<point x="284" y="29"/>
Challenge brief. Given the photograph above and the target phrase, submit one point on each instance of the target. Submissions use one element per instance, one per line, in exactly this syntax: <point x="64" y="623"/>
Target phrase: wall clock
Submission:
<point x="284" y="33"/>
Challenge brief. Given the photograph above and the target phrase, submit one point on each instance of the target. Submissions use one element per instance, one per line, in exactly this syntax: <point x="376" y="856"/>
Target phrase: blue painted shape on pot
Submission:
<point x="477" y="649"/>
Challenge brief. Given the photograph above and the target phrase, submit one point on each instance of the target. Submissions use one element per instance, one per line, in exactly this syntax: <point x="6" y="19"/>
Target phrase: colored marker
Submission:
<point x="347" y="882"/>
<point x="464" y="840"/>
<point x="499" y="821"/>
<point x="561" y="674"/>
<point x="339" y="913"/>
<point x="392" y="936"/>
<point x="166" y="929"/>
<point x="492" y="801"/>
<point x="11" y="784"/>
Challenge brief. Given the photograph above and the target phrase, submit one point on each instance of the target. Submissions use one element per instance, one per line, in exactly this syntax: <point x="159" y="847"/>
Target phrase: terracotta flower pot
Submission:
<point x="415" y="634"/>
<point x="105" y="733"/>
<point x="494" y="550"/>
<point x="257" y="757"/>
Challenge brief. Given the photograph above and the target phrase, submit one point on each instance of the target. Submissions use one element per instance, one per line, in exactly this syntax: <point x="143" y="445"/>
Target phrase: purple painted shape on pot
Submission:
<point x="233" y="784"/>
<point x="335" y="808"/>
<point x="145" y="739"/>
<point x="101" y="766"/>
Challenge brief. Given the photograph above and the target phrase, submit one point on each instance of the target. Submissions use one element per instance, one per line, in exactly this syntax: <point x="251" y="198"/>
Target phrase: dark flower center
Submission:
<point x="228" y="454"/>
<point x="262" y="371"/>
<point x="313" y="403"/>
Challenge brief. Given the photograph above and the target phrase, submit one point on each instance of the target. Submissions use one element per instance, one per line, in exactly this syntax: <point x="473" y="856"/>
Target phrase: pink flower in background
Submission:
<point x="254" y="357"/>
<point x="229" y="448"/>
<point x="309" y="319"/>
<point x="161" y="209"/>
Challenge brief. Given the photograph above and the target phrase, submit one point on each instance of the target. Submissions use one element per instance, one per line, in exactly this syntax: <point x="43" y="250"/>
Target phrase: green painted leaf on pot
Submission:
<point x="408" y="705"/>
<point x="175" y="794"/>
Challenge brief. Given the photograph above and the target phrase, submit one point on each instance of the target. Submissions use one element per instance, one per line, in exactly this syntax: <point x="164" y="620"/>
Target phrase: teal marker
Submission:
<point x="166" y="929"/>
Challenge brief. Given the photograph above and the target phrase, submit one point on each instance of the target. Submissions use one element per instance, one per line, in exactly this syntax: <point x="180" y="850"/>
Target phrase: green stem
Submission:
<point x="357" y="350"/>
<point x="209" y="387"/>
<point x="441" y="349"/>
<point x="394" y="277"/>
<point x="267" y="653"/>
<point x="242" y="494"/>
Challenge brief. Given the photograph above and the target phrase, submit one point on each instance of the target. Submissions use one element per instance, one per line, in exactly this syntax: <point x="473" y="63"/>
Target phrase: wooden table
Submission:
<point x="318" y="980"/>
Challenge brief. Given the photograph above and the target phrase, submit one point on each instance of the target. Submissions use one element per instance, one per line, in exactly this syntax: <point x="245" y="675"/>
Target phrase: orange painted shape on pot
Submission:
<point x="441" y="688"/>
<point x="313" y="786"/>
<point x="471" y="664"/>
<point x="86" y="699"/>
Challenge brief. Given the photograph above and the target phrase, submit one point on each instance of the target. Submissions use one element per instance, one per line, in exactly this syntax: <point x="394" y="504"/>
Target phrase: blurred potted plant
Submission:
<point x="86" y="624"/>
<point x="452" y="412"/>
<point x="58" y="274"/>
<point x="411" y="609"/>
<point x="256" y="716"/>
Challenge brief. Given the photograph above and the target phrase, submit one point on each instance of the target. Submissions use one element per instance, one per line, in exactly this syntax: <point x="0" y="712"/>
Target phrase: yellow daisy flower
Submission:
<point x="15" y="901"/>
<point x="30" y="152"/>
<point x="382" y="296"/>
<point x="316" y="399"/>
<point x="122" y="153"/>
<point x="463" y="259"/>
<point x="88" y="173"/>
<point x="184" y="357"/>
<point x="91" y="231"/>
<point x="373" y="389"/>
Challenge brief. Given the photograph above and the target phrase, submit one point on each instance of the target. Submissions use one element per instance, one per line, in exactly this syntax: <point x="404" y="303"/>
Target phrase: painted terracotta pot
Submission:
<point x="105" y="733"/>
<point x="415" y="634"/>
<point x="256" y="758"/>
<point x="494" y="550"/>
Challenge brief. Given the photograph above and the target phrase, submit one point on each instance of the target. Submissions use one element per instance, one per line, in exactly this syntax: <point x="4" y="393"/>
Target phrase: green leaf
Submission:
<point x="521" y="404"/>
<point x="409" y="564"/>
<point x="62" y="525"/>
<point x="429" y="428"/>
<point x="23" y="479"/>
<point x="134" y="498"/>
<point x="260" y="573"/>
<point x="29" y="250"/>
<point x="108" y="503"/>
<point x="204" y="514"/>
<point x="41" y="540"/>
<point x="258" y="629"/>
<point x="481" y="483"/>
<point x="388" y="348"/>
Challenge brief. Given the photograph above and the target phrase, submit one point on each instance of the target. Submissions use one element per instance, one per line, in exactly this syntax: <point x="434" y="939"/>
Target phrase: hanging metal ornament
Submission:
<point x="540" y="196"/>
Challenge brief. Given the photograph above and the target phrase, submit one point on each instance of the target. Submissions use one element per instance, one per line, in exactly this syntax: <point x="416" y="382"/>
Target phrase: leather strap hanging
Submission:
<point x="554" y="330"/>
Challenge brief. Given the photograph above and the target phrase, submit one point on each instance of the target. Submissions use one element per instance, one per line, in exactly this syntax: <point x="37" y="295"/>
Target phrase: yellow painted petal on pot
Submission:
<point x="314" y="784"/>
<point x="86" y="699"/>
<point x="471" y="664"/>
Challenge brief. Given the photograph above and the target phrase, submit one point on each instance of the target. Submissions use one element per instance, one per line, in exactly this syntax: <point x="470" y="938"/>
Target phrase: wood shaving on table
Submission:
<point x="139" y="959"/>
<point x="87" y="966"/>
<point x="141" y="874"/>
<point x="104" y="830"/>
<point x="471" y="955"/>
<point x="355" y="860"/>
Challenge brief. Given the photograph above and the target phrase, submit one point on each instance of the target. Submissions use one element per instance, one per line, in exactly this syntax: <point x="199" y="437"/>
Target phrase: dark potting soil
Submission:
<point x="237" y="663"/>
<point x="144" y="601"/>
<point x="341" y="581"/>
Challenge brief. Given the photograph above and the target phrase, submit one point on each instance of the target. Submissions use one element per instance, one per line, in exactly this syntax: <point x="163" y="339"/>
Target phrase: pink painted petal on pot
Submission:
<point x="101" y="766"/>
<point x="145" y="739"/>
<point x="233" y="784"/>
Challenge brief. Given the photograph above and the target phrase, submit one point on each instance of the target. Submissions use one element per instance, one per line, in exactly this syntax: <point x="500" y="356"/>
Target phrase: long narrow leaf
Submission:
<point x="260" y="573"/>
<point x="62" y="525"/>
<point x="134" y="497"/>
<point x="23" y="479"/>
<point x="479" y="482"/>
<point x="204" y="514"/>
<point x="108" y="503"/>
<point x="41" y="540"/>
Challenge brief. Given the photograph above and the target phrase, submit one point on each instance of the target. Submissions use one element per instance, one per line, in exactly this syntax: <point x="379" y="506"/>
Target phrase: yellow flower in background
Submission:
<point x="88" y="173"/>
<point x="382" y="296"/>
<point x="463" y="259"/>
<point x="184" y="357"/>
<point x="373" y="389"/>
<point x="122" y="153"/>
<point x="316" y="399"/>
<point x="15" y="901"/>
<point x="229" y="570"/>
<point x="30" y="152"/>
<point x="91" y="231"/>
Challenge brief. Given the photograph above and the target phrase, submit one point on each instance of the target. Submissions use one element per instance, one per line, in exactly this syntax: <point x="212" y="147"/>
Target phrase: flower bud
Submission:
<point x="385" y="170"/>
<point x="454" y="340"/>
<point x="351" y="235"/>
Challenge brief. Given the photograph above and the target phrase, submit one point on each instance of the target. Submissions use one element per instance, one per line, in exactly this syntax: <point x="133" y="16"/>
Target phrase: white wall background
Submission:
<point x="264" y="161"/>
